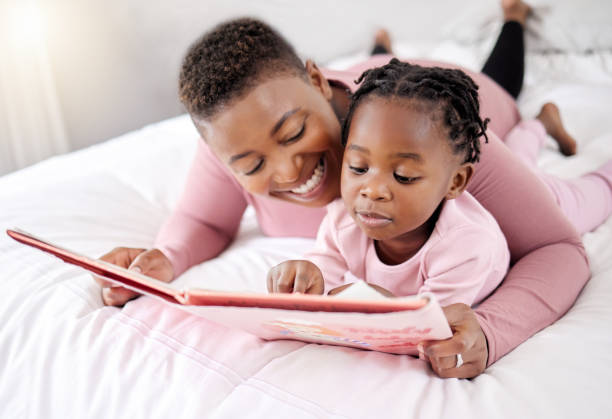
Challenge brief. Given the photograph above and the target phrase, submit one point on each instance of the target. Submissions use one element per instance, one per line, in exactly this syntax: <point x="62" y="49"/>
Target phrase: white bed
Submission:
<point x="63" y="354"/>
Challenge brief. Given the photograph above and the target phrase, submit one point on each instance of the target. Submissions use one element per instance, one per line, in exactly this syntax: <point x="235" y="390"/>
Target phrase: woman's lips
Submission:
<point x="312" y="182"/>
<point x="373" y="219"/>
<point x="314" y="185"/>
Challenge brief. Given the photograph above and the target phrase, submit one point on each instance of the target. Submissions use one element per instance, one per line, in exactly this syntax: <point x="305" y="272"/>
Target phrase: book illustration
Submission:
<point x="402" y="340"/>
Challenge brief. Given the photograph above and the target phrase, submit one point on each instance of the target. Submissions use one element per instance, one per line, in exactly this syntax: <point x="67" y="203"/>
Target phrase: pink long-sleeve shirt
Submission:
<point x="463" y="260"/>
<point x="550" y="264"/>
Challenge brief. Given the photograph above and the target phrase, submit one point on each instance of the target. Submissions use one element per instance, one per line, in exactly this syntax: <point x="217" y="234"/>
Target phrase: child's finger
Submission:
<point x="283" y="279"/>
<point x="301" y="282"/>
<point x="317" y="286"/>
<point x="270" y="280"/>
<point x="284" y="283"/>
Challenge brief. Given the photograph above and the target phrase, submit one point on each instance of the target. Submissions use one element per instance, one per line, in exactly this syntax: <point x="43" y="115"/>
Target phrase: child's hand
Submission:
<point x="151" y="262"/>
<point x="296" y="276"/>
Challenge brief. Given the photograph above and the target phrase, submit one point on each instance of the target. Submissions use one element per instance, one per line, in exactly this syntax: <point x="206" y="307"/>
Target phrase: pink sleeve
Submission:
<point x="550" y="264"/>
<point x="206" y="217"/>
<point x="327" y="256"/>
<point x="458" y="273"/>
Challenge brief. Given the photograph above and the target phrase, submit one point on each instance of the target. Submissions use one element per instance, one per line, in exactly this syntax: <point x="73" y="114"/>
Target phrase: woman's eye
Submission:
<point x="405" y="179"/>
<point x="358" y="170"/>
<point x="296" y="136"/>
<point x="255" y="169"/>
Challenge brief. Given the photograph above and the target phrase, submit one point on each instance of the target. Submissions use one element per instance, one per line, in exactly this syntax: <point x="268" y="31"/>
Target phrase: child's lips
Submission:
<point x="373" y="219"/>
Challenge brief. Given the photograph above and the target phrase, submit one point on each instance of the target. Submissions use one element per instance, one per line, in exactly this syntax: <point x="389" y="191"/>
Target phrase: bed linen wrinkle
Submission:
<point x="178" y="348"/>
<point x="231" y="376"/>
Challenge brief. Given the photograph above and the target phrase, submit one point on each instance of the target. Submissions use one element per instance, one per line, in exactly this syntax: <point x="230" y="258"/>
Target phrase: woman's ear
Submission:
<point x="460" y="180"/>
<point x="318" y="80"/>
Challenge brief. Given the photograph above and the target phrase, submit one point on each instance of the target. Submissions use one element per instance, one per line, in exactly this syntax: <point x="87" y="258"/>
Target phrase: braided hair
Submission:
<point x="230" y="60"/>
<point x="451" y="91"/>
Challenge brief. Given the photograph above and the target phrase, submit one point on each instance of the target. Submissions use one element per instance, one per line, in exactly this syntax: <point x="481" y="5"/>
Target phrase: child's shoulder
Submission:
<point x="467" y="231"/>
<point x="465" y="214"/>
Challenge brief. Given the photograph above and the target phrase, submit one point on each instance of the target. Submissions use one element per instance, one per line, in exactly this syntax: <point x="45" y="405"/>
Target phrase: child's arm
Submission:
<point x="326" y="253"/>
<point x="324" y="269"/>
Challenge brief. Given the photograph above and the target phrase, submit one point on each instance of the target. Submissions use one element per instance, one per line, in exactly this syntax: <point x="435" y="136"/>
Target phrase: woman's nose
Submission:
<point x="287" y="170"/>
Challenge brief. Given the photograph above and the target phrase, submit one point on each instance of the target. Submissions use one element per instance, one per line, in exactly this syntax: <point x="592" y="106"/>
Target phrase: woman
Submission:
<point x="269" y="122"/>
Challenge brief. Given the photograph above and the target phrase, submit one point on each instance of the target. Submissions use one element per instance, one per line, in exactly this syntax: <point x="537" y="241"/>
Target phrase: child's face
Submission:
<point x="282" y="140"/>
<point x="398" y="166"/>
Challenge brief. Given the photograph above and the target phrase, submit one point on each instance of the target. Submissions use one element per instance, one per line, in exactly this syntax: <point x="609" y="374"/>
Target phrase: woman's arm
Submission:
<point x="550" y="266"/>
<point x="549" y="269"/>
<point x="537" y="291"/>
<point x="203" y="223"/>
<point x="206" y="217"/>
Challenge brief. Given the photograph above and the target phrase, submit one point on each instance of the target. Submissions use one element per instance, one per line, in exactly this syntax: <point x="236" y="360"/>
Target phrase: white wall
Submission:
<point x="115" y="63"/>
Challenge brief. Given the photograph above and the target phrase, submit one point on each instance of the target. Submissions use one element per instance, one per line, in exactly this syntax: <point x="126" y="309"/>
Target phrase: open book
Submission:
<point x="358" y="317"/>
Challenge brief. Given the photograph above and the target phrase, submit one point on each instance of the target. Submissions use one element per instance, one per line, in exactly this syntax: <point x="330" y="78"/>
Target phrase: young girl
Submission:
<point x="405" y="222"/>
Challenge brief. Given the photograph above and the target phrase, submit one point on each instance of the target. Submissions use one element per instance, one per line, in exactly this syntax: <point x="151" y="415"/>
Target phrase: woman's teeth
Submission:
<point x="311" y="183"/>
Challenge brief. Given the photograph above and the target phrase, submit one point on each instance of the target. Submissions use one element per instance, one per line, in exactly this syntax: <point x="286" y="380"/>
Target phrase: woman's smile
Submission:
<point x="310" y="185"/>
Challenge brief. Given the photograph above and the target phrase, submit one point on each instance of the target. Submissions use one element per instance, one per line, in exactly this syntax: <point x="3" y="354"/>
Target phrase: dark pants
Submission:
<point x="506" y="63"/>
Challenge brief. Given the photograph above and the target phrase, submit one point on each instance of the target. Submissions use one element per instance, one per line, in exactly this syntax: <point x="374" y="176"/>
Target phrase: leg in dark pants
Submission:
<point x="382" y="43"/>
<point x="506" y="64"/>
<point x="379" y="49"/>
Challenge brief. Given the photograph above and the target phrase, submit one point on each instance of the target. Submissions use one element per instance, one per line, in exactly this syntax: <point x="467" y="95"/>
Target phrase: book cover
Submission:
<point x="358" y="317"/>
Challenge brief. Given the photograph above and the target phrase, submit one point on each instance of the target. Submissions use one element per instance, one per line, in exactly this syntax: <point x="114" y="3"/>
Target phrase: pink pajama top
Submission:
<point x="463" y="260"/>
<point x="550" y="265"/>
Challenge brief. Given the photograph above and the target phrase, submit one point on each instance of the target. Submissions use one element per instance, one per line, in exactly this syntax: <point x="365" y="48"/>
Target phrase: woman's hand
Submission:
<point x="468" y="340"/>
<point x="296" y="276"/>
<point x="151" y="262"/>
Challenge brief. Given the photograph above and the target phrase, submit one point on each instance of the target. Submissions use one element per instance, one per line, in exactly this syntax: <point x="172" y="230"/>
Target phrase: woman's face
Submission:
<point x="282" y="139"/>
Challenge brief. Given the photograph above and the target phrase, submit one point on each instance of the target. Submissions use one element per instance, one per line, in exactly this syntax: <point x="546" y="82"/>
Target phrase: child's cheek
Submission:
<point x="349" y="188"/>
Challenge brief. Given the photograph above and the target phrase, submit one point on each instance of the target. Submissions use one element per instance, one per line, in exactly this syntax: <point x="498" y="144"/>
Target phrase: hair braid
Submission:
<point x="451" y="91"/>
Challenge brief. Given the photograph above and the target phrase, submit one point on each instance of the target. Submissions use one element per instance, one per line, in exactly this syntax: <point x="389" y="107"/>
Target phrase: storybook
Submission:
<point x="358" y="317"/>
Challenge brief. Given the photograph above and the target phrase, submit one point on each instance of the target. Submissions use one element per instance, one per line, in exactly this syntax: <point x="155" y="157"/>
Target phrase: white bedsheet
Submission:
<point x="63" y="354"/>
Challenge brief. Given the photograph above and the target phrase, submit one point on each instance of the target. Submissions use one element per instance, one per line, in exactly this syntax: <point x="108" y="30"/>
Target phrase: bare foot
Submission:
<point x="383" y="39"/>
<point x="551" y="119"/>
<point x="516" y="10"/>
